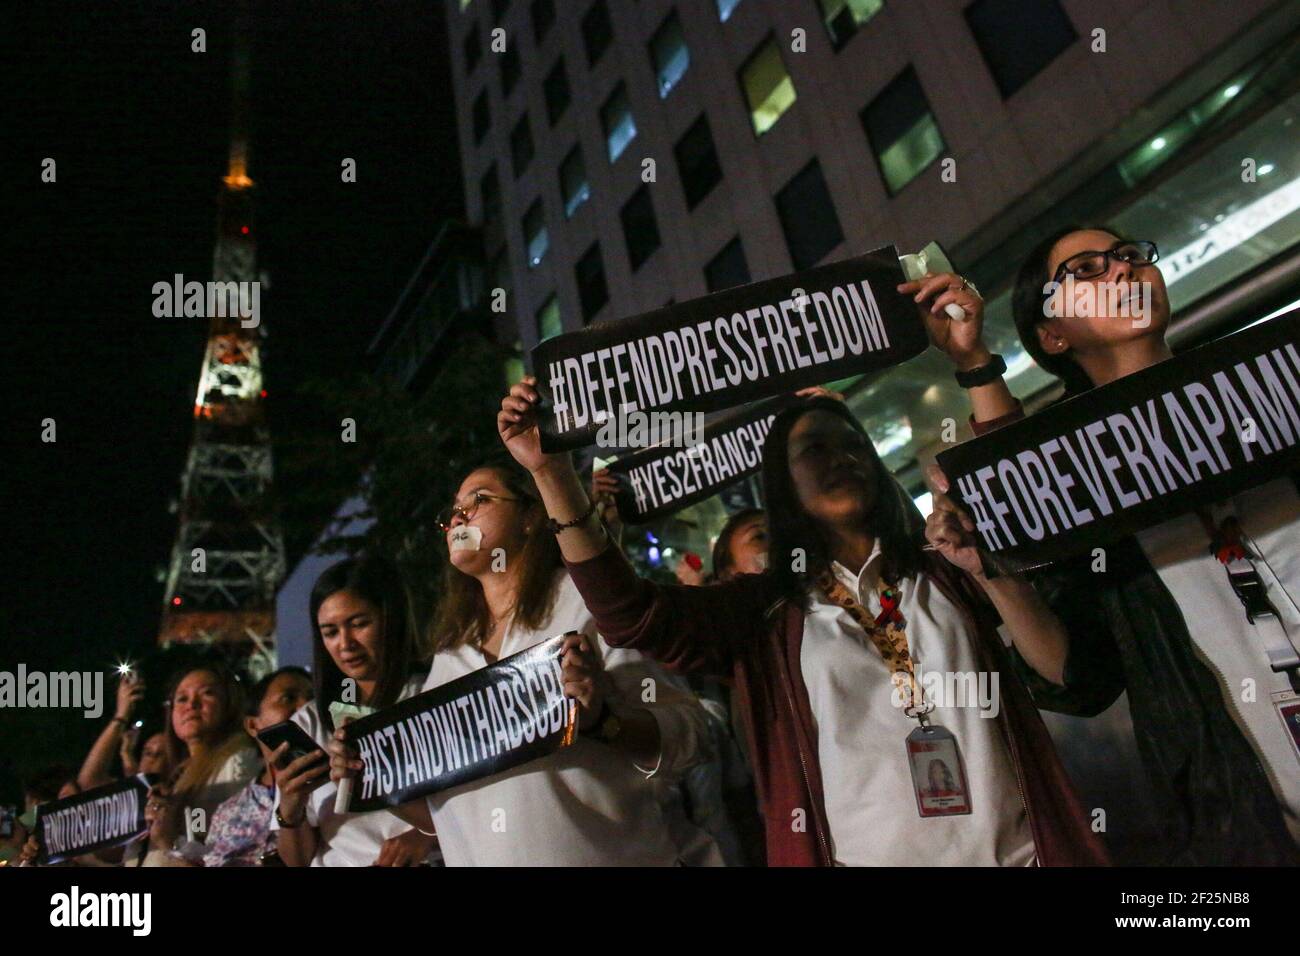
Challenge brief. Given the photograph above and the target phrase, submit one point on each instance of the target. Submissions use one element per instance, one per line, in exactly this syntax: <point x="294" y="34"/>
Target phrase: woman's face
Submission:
<point x="198" y="706"/>
<point x="748" y="547"/>
<point x="352" y="630"/>
<point x="1123" y="303"/>
<point x="832" y="470"/>
<point x="153" y="757"/>
<point x="501" y="523"/>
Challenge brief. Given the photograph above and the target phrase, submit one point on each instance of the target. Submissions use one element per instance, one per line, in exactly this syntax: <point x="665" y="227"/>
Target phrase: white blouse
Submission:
<point x="871" y="806"/>
<point x="344" y="839"/>
<point x="1233" y="648"/>
<point x="584" y="805"/>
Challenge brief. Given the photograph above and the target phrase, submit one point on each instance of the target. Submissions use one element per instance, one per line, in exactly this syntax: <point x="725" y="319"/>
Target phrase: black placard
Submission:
<point x="99" y="818"/>
<point x="1161" y="442"/>
<point x="659" y="481"/>
<point x="496" y="718"/>
<point x="729" y="348"/>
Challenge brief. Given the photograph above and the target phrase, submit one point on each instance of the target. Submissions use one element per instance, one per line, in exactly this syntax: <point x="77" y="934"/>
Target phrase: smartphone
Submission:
<point x="300" y="742"/>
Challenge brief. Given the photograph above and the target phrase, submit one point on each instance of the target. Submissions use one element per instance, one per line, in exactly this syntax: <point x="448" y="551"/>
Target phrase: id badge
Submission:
<point x="1288" y="708"/>
<point x="938" y="774"/>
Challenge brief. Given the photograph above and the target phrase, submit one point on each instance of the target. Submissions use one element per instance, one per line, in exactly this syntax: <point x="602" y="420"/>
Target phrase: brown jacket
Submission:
<point x="743" y="630"/>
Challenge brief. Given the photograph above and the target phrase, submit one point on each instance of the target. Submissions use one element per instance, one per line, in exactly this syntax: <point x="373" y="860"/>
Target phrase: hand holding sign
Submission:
<point x="162" y="813"/>
<point x="406" y="849"/>
<point x="949" y="529"/>
<point x="585" y="679"/>
<point x="517" y="425"/>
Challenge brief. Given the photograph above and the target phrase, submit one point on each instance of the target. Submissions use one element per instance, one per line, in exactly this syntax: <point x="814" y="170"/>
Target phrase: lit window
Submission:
<point x="725" y="8"/>
<point x="521" y="146"/>
<point x="902" y="131"/>
<point x="617" y="123"/>
<point x="535" y="236"/>
<point x="843" y="17"/>
<point x="573" y="182"/>
<point x="697" y="162"/>
<point x="556" y="90"/>
<point x="1019" y="38"/>
<point x="597" y="31"/>
<point x="640" y="230"/>
<point x="728" y="268"/>
<point x="808" y="217"/>
<point x="549" y="322"/>
<point x="669" y="54"/>
<point x="590" y="275"/>
<point x="768" y="88"/>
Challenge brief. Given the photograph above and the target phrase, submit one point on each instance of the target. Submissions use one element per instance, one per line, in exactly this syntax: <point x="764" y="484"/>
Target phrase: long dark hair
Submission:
<point x="894" y="519"/>
<point x="193" y="773"/>
<point x="462" y="615"/>
<point x="1027" y="301"/>
<point x="375" y="579"/>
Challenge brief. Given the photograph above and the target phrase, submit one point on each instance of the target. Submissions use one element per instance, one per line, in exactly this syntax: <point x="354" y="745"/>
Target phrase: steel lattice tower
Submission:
<point x="226" y="594"/>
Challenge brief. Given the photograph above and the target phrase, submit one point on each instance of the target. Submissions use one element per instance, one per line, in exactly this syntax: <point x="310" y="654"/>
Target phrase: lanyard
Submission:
<point x="1231" y="548"/>
<point x="887" y="634"/>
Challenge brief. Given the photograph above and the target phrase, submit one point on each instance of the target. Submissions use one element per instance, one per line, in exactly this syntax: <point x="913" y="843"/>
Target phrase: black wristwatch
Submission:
<point x="607" y="726"/>
<point x="285" y="824"/>
<point x="995" y="368"/>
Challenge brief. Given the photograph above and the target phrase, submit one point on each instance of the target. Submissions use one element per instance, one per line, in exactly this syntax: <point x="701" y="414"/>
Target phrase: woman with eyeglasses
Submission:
<point x="834" y="652"/>
<point x="1162" y="617"/>
<point x="593" y="803"/>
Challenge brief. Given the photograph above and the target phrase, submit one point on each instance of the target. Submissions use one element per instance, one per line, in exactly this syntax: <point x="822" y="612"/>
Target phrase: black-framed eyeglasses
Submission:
<point x="1089" y="265"/>
<point x="467" y="512"/>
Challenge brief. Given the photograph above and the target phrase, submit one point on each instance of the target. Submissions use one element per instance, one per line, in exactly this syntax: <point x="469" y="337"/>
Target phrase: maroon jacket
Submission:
<point x="742" y="629"/>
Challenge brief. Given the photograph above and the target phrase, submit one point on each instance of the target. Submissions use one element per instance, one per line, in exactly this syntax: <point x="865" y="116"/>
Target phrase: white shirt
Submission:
<point x="583" y="805"/>
<point x="871" y="806"/>
<point x="1233" y="648"/>
<point x="344" y="839"/>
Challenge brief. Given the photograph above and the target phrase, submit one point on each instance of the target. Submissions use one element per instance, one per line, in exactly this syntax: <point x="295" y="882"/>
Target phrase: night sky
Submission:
<point x="138" y="125"/>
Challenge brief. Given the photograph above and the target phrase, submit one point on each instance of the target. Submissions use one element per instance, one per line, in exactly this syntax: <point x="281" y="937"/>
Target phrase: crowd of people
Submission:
<point x="774" y="733"/>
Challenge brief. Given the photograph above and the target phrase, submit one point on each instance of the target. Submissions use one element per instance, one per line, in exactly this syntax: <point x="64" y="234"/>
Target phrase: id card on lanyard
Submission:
<point x="933" y="754"/>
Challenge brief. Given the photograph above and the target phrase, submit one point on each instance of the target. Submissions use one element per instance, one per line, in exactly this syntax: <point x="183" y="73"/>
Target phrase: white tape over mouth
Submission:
<point x="466" y="538"/>
<point x="760" y="561"/>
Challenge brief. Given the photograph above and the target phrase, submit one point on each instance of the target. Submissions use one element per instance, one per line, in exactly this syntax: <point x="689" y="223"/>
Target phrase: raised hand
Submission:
<point x="962" y="340"/>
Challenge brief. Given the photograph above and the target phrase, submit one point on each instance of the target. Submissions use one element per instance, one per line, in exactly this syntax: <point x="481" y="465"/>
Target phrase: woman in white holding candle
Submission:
<point x="594" y="802"/>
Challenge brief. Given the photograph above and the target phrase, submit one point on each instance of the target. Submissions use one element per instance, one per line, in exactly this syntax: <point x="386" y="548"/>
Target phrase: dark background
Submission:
<point x="139" y="127"/>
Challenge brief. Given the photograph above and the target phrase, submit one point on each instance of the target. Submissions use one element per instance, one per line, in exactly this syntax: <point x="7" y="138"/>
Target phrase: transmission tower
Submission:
<point x="228" y="558"/>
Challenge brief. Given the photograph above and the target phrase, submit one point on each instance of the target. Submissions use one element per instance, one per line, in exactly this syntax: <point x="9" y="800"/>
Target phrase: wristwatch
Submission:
<point x="984" y="374"/>
<point x="608" y="726"/>
<point x="285" y="824"/>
